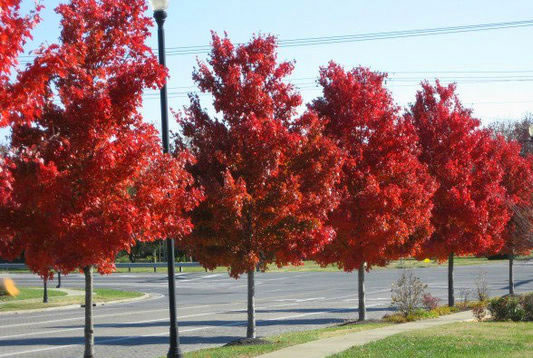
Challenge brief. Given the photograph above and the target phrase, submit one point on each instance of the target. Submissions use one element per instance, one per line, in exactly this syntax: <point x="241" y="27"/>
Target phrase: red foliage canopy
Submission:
<point x="90" y="177"/>
<point x="18" y="92"/>
<point x="268" y="174"/>
<point x="14" y="31"/>
<point x="469" y="214"/>
<point x="386" y="192"/>
<point x="517" y="181"/>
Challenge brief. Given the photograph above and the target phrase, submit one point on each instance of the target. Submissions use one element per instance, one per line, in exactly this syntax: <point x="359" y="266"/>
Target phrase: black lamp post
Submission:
<point x="160" y="14"/>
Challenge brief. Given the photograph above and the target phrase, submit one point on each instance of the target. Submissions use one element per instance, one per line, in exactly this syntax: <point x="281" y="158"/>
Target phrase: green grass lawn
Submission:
<point x="311" y="266"/>
<point x="31" y="298"/>
<point x="28" y="293"/>
<point x="281" y="341"/>
<point x="398" y="264"/>
<point x="460" y="340"/>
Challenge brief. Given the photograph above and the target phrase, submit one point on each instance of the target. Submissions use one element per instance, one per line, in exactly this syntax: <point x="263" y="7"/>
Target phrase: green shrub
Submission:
<point x="498" y="309"/>
<point x="507" y="308"/>
<point x="442" y="310"/>
<point x="517" y="313"/>
<point x="514" y="308"/>
<point x="395" y="318"/>
<point x="527" y="304"/>
<point x="421" y="314"/>
<point x="416" y="315"/>
<point x="461" y="306"/>
<point x="470" y="305"/>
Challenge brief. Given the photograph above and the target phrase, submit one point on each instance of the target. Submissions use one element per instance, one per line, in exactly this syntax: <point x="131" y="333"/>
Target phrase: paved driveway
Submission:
<point x="212" y="309"/>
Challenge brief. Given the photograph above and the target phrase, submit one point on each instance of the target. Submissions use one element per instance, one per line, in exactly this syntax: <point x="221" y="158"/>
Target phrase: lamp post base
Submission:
<point x="174" y="353"/>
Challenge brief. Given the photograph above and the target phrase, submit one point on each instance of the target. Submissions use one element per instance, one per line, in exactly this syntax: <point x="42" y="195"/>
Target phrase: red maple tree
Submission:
<point x="517" y="181"/>
<point x="14" y="32"/>
<point x="385" y="208"/>
<point x="21" y="90"/>
<point x="89" y="177"/>
<point x="469" y="214"/>
<point x="269" y="175"/>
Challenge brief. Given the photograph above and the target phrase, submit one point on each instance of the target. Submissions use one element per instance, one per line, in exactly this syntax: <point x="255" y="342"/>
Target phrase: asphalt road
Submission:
<point x="212" y="309"/>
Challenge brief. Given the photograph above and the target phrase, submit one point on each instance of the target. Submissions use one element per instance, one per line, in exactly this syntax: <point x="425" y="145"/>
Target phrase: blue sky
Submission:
<point x="189" y="24"/>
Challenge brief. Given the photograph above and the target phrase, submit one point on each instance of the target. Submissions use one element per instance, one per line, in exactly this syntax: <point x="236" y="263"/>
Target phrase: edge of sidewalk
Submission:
<point x="326" y="347"/>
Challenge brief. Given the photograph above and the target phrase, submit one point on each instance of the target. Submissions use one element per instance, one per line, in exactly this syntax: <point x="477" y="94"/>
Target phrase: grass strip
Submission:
<point x="29" y="293"/>
<point x="30" y="298"/>
<point x="282" y="341"/>
<point x="465" y="340"/>
<point x="311" y="266"/>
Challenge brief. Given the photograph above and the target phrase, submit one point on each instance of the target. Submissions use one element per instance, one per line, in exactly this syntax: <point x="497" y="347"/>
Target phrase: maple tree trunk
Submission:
<point x="361" y="291"/>
<point x="451" y="293"/>
<point x="250" y="332"/>
<point x="89" y="329"/>
<point x="45" y="291"/>
<point x="511" y="278"/>
<point x="58" y="280"/>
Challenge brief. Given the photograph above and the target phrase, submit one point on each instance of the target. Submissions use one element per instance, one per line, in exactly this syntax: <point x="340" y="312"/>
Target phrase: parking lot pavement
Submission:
<point x="212" y="308"/>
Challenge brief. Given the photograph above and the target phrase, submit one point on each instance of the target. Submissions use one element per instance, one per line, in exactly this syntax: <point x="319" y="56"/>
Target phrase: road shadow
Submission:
<point x="116" y="341"/>
<point x="325" y="310"/>
<point x="213" y="323"/>
<point x="519" y="283"/>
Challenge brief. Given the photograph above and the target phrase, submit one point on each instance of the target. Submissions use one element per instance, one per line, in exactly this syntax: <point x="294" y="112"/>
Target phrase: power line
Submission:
<point x="304" y="83"/>
<point x="461" y="71"/>
<point x="327" y="40"/>
<point x="307" y="88"/>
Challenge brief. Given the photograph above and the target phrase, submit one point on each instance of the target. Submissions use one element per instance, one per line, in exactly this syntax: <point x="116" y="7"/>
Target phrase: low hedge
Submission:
<point x="512" y="307"/>
<point x="420" y="313"/>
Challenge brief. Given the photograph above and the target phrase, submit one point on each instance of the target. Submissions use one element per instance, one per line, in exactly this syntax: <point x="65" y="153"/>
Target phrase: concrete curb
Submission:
<point x="70" y="292"/>
<point x="329" y="346"/>
<point x="73" y="306"/>
<point x="126" y="300"/>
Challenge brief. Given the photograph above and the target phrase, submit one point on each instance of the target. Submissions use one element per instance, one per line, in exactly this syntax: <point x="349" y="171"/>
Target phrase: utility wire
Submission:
<point x="326" y="40"/>
<point x="305" y="84"/>
<point x="307" y="80"/>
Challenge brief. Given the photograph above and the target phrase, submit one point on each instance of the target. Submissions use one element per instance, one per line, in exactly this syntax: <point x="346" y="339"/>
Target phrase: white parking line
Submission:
<point x="293" y="303"/>
<point x="300" y="299"/>
<point x="81" y="328"/>
<point x="166" y="333"/>
<point x="32" y="323"/>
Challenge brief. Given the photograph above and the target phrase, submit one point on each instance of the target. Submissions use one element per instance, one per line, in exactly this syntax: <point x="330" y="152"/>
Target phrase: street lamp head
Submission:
<point x="159" y="5"/>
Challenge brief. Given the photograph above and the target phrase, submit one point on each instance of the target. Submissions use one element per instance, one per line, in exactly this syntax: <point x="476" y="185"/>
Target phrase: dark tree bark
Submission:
<point x="251" y="331"/>
<point x="58" y="280"/>
<point x="89" y="329"/>
<point x="451" y="291"/>
<point x="511" y="274"/>
<point x="45" y="291"/>
<point x="361" y="291"/>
